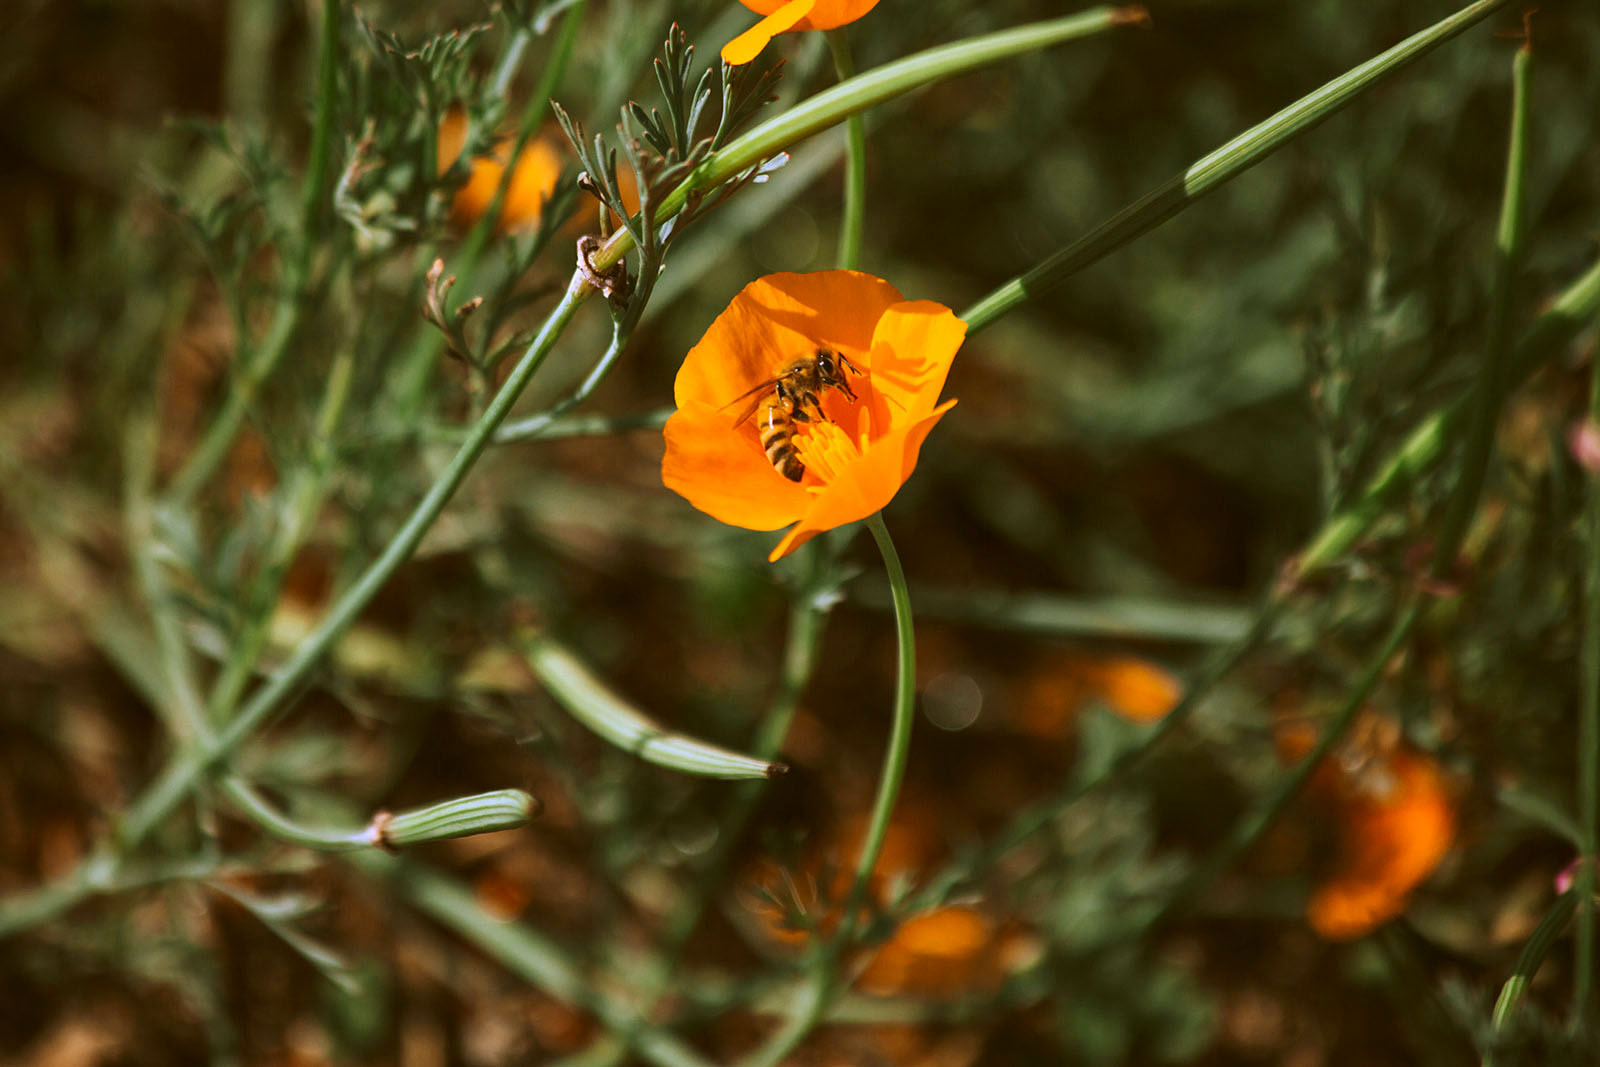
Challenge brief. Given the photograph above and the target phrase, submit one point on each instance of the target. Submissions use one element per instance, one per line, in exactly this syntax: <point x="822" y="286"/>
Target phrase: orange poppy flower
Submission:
<point x="940" y="953"/>
<point x="1136" y="689"/>
<point x="1396" y="820"/>
<point x="786" y="15"/>
<point x="533" y="179"/>
<point x="896" y="354"/>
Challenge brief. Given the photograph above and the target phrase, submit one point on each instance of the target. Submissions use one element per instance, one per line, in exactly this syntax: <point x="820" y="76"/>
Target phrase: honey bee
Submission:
<point x="795" y="396"/>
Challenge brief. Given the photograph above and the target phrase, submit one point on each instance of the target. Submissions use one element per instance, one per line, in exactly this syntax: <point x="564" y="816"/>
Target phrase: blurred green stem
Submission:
<point x="202" y="463"/>
<point x="799" y="660"/>
<point x="819" y="990"/>
<point x="1533" y="954"/>
<point x="1489" y="391"/>
<point x="305" y="492"/>
<point x="806" y="616"/>
<point x="1218" y="168"/>
<point x="262" y="812"/>
<point x="182" y="773"/>
<point x="855" y="175"/>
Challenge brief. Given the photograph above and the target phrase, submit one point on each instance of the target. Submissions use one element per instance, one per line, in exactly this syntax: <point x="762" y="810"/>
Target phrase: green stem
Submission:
<point x="894" y="756"/>
<point x="818" y="992"/>
<point x="305" y="494"/>
<point x="1221" y="166"/>
<point x="269" y="818"/>
<point x="181" y="774"/>
<point x="533" y="113"/>
<point x="1533" y="954"/>
<point x="855" y="175"/>
<point x="829" y="107"/>
<point x="1489" y="392"/>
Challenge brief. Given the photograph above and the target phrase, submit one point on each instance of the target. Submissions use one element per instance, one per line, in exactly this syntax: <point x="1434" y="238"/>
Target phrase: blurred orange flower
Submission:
<point x="533" y="179"/>
<point x="943" y="952"/>
<point x="895" y="356"/>
<point x="940" y="953"/>
<point x="1136" y="689"/>
<point x="1395" y="819"/>
<point x="786" y="15"/>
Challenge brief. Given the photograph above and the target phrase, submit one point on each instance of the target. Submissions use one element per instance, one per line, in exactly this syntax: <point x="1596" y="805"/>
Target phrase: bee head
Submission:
<point x="831" y="366"/>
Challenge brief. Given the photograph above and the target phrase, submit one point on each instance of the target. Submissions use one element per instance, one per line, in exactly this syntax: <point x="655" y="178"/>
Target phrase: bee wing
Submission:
<point x="753" y="391"/>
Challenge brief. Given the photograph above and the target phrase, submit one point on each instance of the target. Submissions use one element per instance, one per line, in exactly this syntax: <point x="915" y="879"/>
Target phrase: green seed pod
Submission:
<point x="607" y="714"/>
<point x="505" y="809"/>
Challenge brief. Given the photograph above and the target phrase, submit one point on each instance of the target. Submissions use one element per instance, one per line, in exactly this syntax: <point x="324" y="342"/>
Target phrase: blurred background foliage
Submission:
<point x="1135" y="457"/>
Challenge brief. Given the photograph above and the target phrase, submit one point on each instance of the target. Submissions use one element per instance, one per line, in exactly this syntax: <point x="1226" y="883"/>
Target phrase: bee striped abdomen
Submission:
<point x="777" y="440"/>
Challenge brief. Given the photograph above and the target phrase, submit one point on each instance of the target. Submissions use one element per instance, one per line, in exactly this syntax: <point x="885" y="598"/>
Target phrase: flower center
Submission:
<point x="825" y="449"/>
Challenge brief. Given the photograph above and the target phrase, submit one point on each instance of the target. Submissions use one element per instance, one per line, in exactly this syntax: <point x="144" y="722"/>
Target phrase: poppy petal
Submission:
<point x="912" y="349"/>
<point x="745" y="47"/>
<point x="776" y="319"/>
<point x="866" y="486"/>
<point x="726" y="476"/>
<point x="827" y="14"/>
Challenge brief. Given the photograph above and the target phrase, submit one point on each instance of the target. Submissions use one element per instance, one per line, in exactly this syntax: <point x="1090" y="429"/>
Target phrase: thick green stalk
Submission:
<point x="831" y="106"/>
<point x="1489" y="391"/>
<point x="855" y="172"/>
<point x="168" y="790"/>
<point x="596" y="706"/>
<point x="1221" y="166"/>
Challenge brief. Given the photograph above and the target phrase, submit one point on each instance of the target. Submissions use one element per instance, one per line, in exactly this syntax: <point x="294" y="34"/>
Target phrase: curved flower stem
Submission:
<point x="894" y="757"/>
<point x="855" y="175"/>
<point x="819" y="991"/>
